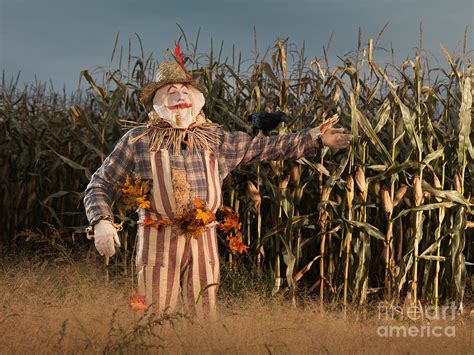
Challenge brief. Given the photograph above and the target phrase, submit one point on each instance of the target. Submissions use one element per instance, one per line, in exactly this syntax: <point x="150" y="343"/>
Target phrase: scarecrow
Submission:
<point x="184" y="157"/>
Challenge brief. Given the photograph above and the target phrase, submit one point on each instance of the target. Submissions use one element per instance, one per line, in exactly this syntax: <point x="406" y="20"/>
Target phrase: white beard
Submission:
<point x="178" y="118"/>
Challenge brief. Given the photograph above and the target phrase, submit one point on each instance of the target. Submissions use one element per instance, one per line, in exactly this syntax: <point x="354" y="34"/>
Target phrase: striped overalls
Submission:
<point x="173" y="265"/>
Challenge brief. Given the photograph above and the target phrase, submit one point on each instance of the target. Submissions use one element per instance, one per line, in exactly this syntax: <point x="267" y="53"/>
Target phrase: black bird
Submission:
<point x="266" y="121"/>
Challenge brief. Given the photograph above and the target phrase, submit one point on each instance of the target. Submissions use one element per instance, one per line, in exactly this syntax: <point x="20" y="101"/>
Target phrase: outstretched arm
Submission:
<point x="238" y="148"/>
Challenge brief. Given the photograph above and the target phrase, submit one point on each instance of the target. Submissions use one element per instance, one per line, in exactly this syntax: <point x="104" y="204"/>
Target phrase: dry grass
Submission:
<point x="69" y="309"/>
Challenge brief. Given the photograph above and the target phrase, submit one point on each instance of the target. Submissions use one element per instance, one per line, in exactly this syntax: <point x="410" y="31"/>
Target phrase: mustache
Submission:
<point x="181" y="105"/>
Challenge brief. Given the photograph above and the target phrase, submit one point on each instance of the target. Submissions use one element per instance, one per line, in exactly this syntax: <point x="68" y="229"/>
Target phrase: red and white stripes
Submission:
<point x="169" y="263"/>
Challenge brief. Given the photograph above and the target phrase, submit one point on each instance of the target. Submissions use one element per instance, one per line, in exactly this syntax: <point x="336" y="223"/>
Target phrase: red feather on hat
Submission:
<point x="178" y="54"/>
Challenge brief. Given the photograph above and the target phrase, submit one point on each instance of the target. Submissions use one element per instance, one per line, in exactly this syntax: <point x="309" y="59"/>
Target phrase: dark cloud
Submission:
<point x="55" y="39"/>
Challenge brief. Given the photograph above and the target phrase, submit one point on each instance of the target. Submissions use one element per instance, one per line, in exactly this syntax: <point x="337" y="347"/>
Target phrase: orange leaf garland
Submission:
<point x="194" y="222"/>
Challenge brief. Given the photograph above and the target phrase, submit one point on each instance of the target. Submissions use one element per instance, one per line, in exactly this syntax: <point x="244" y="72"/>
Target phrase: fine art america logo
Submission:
<point x="415" y="313"/>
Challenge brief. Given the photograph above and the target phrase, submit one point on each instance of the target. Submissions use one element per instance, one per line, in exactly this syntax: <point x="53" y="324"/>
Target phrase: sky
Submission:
<point x="53" y="40"/>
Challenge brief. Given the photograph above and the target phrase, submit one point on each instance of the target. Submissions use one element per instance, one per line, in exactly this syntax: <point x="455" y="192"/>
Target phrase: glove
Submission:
<point x="105" y="235"/>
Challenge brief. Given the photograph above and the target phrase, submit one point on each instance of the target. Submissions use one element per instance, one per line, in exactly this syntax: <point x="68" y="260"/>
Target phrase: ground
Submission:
<point x="68" y="308"/>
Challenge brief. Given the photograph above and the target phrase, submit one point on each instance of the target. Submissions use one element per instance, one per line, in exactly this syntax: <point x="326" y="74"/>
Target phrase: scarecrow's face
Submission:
<point x="178" y="104"/>
<point x="178" y="96"/>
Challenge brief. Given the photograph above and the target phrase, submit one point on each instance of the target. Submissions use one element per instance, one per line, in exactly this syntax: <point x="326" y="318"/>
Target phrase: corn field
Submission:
<point x="390" y="218"/>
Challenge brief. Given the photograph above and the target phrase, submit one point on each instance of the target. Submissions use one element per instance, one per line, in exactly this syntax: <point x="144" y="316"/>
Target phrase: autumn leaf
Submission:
<point x="137" y="302"/>
<point x="236" y="245"/>
<point x="143" y="202"/>
<point x="151" y="222"/>
<point x="230" y="220"/>
<point x="197" y="203"/>
<point x="204" y="216"/>
<point x="134" y="194"/>
<point x="194" y="222"/>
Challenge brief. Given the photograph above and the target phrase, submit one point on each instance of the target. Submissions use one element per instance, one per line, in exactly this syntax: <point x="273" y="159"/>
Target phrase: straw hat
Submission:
<point x="169" y="72"/>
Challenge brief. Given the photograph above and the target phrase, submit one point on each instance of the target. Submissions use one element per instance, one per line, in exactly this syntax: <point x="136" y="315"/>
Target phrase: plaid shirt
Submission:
<point x="236" y="149"/>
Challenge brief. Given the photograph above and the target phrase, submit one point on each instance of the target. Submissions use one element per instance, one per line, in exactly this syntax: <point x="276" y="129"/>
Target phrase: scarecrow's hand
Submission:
<point x="335" y="138"/>
<point x="105" y="234"/>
